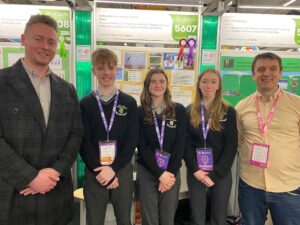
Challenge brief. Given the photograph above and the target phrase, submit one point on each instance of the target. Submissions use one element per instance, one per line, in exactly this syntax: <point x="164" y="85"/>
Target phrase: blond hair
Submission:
<point x="219" y="106"/>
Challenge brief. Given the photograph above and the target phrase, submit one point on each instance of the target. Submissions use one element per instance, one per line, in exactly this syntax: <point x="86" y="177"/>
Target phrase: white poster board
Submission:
<point x="13" y="19"/>
<point x="121" y="25"/>
<point x="265" y="30"/>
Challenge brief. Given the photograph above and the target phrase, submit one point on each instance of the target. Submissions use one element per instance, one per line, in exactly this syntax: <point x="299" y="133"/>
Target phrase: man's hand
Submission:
<point x="45" y="181"/>
<point x="106" y="173"/>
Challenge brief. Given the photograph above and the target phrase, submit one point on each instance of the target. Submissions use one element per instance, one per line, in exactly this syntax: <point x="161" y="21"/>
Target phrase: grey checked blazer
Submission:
<point x="27" y="145"/>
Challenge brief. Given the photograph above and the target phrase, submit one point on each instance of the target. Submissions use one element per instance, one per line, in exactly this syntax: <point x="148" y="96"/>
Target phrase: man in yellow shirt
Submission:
<point x="269" y="148"/>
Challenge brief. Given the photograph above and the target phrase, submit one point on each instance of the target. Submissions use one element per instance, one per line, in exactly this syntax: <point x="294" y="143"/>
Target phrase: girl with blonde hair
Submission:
<point x="211" y="148"/>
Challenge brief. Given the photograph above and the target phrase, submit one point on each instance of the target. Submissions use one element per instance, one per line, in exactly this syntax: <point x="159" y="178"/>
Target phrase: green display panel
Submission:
<point x="209" y="38"/>
<point x="231" y="82"/>
<point x="83" y="70"/>
<point x="247" y="85"/>
<point x="233" y="100"/>
<point x="237" y="77"/>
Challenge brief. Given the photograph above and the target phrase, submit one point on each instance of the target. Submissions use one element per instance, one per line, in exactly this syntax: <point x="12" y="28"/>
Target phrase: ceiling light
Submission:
<point x="230" y="3"/>
<point x="289" y="2"/>
<point x="267" y="7"/>
<point x="147" y="3"/>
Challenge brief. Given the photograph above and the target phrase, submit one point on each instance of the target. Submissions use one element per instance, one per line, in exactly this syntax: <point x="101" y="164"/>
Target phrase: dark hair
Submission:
<point x="45" y="19"/>
<point x="103" y="56"/>
<point x="146" y="101"/>
<point x="266" y="55"/>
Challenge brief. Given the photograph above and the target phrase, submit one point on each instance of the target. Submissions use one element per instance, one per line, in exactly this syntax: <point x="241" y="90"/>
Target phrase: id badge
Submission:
<point x="107" y="152"/>
<point x="162" y="159"/>
<point x="205" y="159"/>
<point x="259" y="155"/>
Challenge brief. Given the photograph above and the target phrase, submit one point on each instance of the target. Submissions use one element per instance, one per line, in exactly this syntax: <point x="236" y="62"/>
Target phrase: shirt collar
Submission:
<point x="262" y="98"/>
<point x="32" y="73"/>
<point x="113" y="92"/>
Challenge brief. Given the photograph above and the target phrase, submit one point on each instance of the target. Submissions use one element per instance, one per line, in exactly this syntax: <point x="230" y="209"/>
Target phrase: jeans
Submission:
<point x="255" y="203"/>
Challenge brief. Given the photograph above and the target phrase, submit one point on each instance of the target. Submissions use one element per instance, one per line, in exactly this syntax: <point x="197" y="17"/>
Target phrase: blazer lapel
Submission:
<point x="21" y="83"/>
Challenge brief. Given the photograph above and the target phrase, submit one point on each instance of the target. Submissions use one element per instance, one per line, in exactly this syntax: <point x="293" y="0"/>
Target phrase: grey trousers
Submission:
<point x="220" y="193"/>
<point x="97" y="197"/>
<point x="157" y="208"/>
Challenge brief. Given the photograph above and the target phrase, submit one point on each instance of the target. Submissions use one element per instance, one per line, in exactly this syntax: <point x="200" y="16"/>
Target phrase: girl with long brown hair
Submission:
<point x="160" y="150"/>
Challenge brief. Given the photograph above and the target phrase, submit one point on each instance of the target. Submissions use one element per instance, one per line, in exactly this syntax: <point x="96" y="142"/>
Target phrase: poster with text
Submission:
<point x="13" y="19"/>
<point x="244" y="29"/>
<point x="146" y="26"/>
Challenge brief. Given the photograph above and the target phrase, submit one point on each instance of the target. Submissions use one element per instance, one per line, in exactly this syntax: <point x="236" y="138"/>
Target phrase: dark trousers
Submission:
<point x="97" y="197"/>
<point x="254" y="204"/>
<point x="219" y="197"/>
<point x="157" y="208"/>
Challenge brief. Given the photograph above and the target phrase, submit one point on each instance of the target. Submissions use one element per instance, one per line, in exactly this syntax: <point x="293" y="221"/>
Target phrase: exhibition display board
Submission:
<point x="262" y="30"/>
<point x="237" y="75"/>
<point x="144" y="26"/>
<point x="12" y="23"/>
<point x="151" y="31"/>
<point x="257" y="31"/>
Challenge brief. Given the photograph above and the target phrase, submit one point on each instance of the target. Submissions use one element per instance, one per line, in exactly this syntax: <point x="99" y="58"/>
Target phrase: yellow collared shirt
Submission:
<point x="283" y="136"/>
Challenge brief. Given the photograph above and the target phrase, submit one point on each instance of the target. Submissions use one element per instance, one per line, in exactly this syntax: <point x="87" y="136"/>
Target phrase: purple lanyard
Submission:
<point x="205" y="130"/>
<point x="113" y="114"/>
<point x="160" y="134"/>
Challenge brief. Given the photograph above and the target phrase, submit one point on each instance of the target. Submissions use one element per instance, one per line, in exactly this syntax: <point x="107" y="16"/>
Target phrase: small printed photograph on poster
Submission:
<point x="169" y="60"/>
<point x="119" y="76"/>
<point x="295" y="82"/>
<point x="131" y="75"/>
<point x="155" y="60"/>
<point x="228" y="63"/>
<point x="188" y="65"/>
<point x="283" y="84"/>
<point x="178" y="65"/>
<point x="135" y="60"/>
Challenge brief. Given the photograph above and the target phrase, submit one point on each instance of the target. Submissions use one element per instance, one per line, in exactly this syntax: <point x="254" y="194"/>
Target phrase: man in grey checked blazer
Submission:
<point x="40" y="133"/>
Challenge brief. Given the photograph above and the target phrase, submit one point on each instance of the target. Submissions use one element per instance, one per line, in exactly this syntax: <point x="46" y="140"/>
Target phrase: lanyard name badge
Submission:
<point x="260" y="152"/>
<point x="108" y="148"/>
<point x="162" y="158"/>
<point x="205" y="158"/>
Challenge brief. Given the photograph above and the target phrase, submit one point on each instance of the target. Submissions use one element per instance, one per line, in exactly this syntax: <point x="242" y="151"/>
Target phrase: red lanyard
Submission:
<point x="264" y="126"/>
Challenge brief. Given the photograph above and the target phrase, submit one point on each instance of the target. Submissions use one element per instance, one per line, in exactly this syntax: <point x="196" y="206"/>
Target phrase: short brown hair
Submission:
<point x="45" y="19"/>
<point x="104" y="56"/>
<point x="266" y="55"/>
